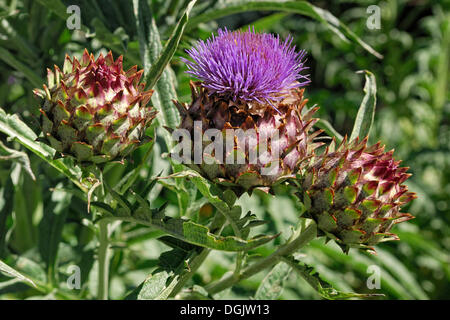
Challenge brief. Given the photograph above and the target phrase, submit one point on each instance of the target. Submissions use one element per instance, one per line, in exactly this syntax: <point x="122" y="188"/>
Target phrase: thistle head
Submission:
<point x="247" y="66"/>
<point x="355" y="194"/>
<point x="93" y="110"/>
<point x="248" y="151"/>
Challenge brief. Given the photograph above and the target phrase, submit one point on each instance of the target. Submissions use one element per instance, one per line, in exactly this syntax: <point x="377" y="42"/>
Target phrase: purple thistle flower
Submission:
<point x="247" y="66"/>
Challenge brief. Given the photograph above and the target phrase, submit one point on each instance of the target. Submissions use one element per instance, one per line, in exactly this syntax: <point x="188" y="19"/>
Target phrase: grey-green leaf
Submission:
<point x="169" y="49"/>
<point x="153" y="288"/>
<point x="10" y="272"/>
<point x="51" y="228"/>
<point x="272" y="285"/>
<point x="215" y="196"/>
<point x="195" y="233"/>
<point x="323" y="288"/>
<point x="151" y="50"/>
<point x="366" y="112"/>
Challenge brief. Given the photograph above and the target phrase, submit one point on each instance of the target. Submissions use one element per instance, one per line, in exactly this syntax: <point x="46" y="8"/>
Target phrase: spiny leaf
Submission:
<point x="206" y="188"/>
<point x="121" y="200"/>
<point x="322" y="287"/>
<point x="181" y="229"/>
<point x="171" y="265"/>
<point x="194" y="233"/>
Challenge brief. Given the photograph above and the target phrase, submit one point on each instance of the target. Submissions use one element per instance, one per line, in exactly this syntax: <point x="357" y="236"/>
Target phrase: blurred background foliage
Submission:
<point x="44" y="225"/>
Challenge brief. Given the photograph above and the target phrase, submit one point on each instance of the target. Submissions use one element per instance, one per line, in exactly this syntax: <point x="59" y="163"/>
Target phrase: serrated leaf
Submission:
<point x="206" y="188"/>
<point x="121" y="200"/>
<point x="196" y="234"/>
<point x="366" y="112"/>
<point x="164" y="279"/>
<point x="181" y="229"/>
<point x="323" y="288"/>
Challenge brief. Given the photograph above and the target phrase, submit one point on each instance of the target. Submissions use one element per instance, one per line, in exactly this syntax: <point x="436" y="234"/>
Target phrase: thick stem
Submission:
<point x="103" y="261"/>
<point x="304" y="238"/>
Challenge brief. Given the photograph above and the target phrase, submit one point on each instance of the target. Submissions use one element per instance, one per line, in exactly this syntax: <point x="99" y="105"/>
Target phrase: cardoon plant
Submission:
<point x="247" y="127"/>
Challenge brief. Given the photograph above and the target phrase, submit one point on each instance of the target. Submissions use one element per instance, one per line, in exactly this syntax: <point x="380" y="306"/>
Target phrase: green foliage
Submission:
<point x="10" y="272"/>
<point x="172" y="233"/>
<point x="272" y="285"/>
<point x="366" y="112"/>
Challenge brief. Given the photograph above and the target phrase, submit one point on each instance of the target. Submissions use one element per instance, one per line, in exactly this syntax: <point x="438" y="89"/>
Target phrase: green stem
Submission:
<point x="197" y="261"/>
<point x="103" y="261"/>
<point x="194" y="264"/>
<point x="288" y="248"/>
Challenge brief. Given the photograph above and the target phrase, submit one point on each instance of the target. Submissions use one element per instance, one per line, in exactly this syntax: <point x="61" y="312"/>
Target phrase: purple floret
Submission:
<point x="247" y="65"/>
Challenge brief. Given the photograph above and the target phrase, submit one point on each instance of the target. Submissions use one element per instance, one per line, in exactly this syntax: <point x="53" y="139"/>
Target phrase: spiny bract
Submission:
<point x="93" y="110"/>
<point x="284" y="136"/>
<point x="355" y="194"/>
